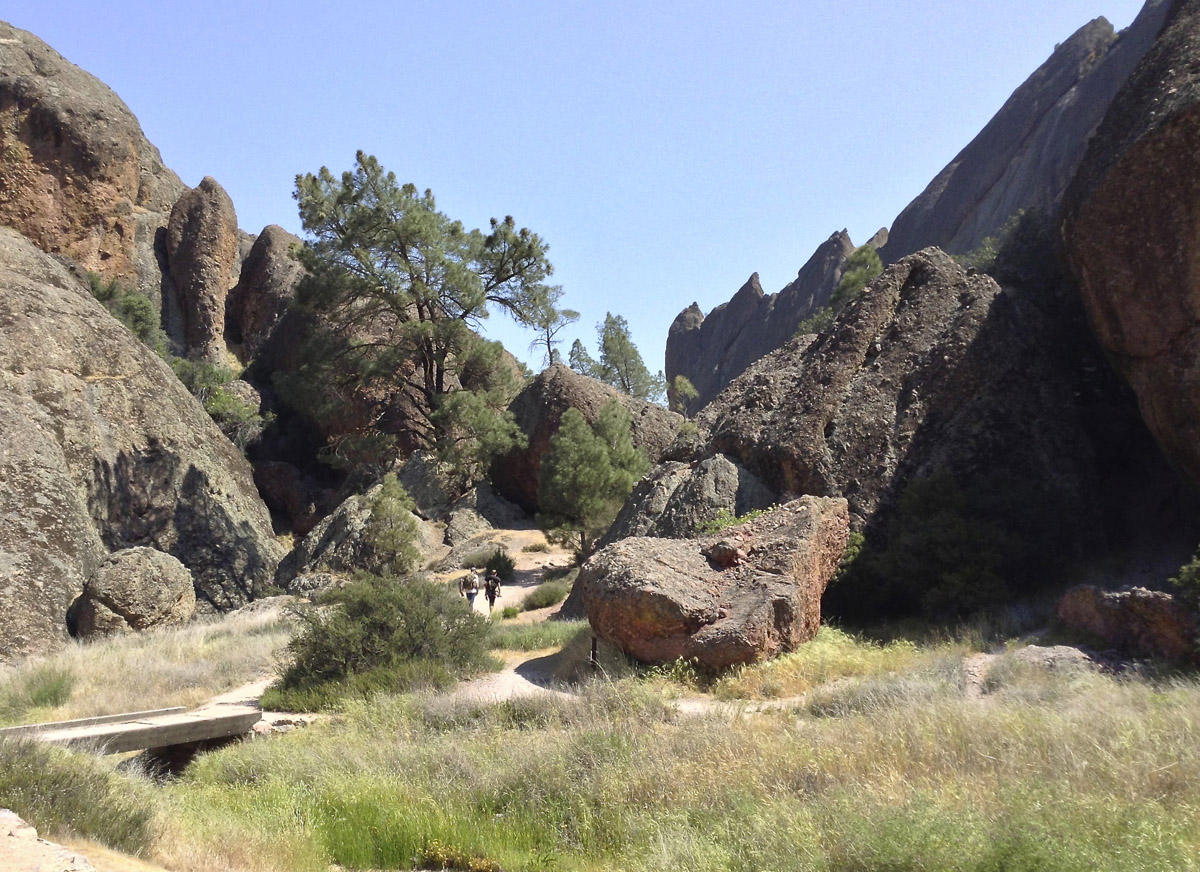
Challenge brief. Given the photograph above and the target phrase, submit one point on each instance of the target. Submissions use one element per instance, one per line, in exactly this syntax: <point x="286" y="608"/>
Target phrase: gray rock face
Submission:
<point x="1027" y="154"/>
<point x="662" y="599"/>
<point x="202" y="254"/>
<point x="78" y="175"/>
<point x="267" y="283"/>
<point x="539" y="409"/>
<point x="135" y="589"/>
<point x="1131" y="223"/>
<point x="711" y="351"/>
<point x="104" y="449"/>
<point x="676" y="499"/>
<point x="478" y="510"/>
<point x="1147" y="623"/>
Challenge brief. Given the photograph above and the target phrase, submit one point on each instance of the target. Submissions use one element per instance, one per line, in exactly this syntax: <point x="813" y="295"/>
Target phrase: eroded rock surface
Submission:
<point x="104" y="449"/>
<point x="539" y="409"/>
<point x="267" y="283"/>
<point x="78" y="175"/>
<point x="135" y="589"/>
<point x="1131" y="223"/>
<point x="662" y="599"/>
<point x="202" y="253"/>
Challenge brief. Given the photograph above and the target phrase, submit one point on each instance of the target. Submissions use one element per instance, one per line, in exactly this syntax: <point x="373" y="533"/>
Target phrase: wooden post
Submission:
<point x="594" y="662"/>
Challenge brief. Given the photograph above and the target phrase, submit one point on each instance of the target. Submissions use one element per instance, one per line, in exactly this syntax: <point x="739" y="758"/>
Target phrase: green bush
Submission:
<point x="1187" y="582"/>
<point x="536" y="548"/>
<point x="862" y="266"/>
<point x="63" y="793"/>
<point x="726" y="518"/>
<point x="131" y="309"/>
<point x="509" y="612"/>
<point x="502" y="565"/>
<point x="392" y="530"/>
<point x="546" y="594"/>
<point x="379" y="633"/>
<point x="43" y="687"/>
<point x="208" y="383"/>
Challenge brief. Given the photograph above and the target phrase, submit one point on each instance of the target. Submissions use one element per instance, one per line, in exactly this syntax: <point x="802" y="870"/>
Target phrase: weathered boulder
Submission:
<point x="663" y="599"/>
<point x="104" y="449"/>
<point x="78" y="176"/>
<point x="1131" y="222"/>
<point x="478" y="510"/>
<point x="202" y="253"/>
<point x="25" y="852"/>
<point x="1149" y="623"/>
<point x="676" y="499"/>
<point x="1025" y="157"/>
<point x="134" y="589"/>
<point x="342" y="544"/>
<point x="265" y="288"/>
<point x="539" y="409"/>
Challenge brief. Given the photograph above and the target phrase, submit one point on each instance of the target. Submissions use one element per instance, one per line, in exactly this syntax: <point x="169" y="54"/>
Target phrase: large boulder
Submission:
<point x="1131" y="222"/>
<point x="1147" y="623"/>
<point x="78" y="176"/>
<point x="478" y="510"/>
<point x="104" y="449"/>
<point x="741" y="596"/>
<point x="202" y="253"/>
<point x="266" y="286"/>
<point x="539" y="409"/>
<point x="134" y="589"/>
<point x="1025" y="157"/>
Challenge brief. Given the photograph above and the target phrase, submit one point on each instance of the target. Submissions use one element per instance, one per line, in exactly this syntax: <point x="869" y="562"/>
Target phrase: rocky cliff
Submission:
<point x="104" y="449"/>
<point x="1027" y="154"/>
<point x="77" y="175"/>
<point x="1131" y="223"/>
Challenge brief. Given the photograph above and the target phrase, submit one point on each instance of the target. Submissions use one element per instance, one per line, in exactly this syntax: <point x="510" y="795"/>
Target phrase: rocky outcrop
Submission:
<point x="711" y="351"/>
<point x="663" y="599"/>
<point x="1146" y="623"/>
<point x="134" y="589"/>
<point x="1027" y="154"/>
<point x="78" y="176"/>
<point x="478" y="510"/>
<point x="1132" y="228"/>
<point x="202" y="252"/>
<point x="104" y="449"/>
<point x="676" y="499"/>
<point x="23" y="851"/>
<point x="539" y="409"/>
<point x="265" y="288"/>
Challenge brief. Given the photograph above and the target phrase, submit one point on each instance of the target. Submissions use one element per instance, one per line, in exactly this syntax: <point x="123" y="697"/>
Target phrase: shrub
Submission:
<point x="501" y="564"/>
<point x="726" y="518"/>
<point x="208" y="383"/>
<point x="131" y="309"/>
<point x="379" y="633"/>
<point x="45" y="686"/>
<point x="546" y="594"/>
<point x="73" y="794"/>
<point x="509" y="612"/>
<point x="1187" y="582"/>
<point x="536" y="548"/>
<point x="392" y="530"/>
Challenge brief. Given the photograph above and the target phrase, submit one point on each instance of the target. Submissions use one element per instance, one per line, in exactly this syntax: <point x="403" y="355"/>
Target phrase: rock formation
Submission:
<point x="104" y="449"/>
<point x="663" y="599"/>
<point x="1131" y="223"/>
<point x="711" y="351"/>
<point x="1027" y="154"/>
<point x="134" y="589"/>
<point x="539" y="409"/>
<point x="77" y="175"/>
<point x="202" y="251"/>
<point x="260" y="299"/>
<point x="1146" y="623"/>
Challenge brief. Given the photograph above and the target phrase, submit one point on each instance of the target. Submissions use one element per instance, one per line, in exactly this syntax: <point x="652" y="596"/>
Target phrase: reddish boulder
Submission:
<point x="1149" y="623"/>
<point x="663" y="599"/>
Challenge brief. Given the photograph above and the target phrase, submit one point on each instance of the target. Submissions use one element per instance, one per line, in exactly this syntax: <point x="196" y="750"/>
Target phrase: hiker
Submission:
<point x="491" y="588"/>
<point x="468" y="586"/>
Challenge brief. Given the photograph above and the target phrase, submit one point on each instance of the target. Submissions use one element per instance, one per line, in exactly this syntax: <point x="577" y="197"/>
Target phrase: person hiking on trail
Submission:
<point x="491" y="588"/>
<point x="468" y="586"/>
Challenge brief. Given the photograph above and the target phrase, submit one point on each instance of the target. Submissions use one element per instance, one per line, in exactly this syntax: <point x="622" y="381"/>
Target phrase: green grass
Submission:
<point x="28" y="693"/>
<point x="68" y="794"/>
<point x="546" y="594"/>
<point x="537" y="637"/>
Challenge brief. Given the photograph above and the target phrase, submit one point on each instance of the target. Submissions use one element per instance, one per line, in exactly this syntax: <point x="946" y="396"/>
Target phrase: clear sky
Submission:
<point x="665" y="150"/>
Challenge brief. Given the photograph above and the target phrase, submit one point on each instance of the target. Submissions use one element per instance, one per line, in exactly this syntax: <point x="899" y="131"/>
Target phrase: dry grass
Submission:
<point x="178" y="667"/>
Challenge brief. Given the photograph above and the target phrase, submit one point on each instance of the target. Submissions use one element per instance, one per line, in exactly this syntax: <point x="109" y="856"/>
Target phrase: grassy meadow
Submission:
<point x="872" y="757"/>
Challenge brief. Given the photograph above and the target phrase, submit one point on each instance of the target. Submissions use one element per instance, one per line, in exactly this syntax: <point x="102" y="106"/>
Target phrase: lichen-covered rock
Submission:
<point x="1148" y="623"/>
<point x="1131" y="221"/>
<point x="663" y="599"/>
<point x="104" y="449"/>
<point x="539" y="409"/>
<point x="78" y="176"/>
<point x="134" y="589"/>
<point x="265" y="288"/>
<point x="478" y="510"/>
<point x="202" y="253"/>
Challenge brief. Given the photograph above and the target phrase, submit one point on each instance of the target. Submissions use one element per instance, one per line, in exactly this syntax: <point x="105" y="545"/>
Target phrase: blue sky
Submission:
<point x="664" y="150"/>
